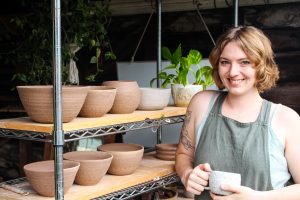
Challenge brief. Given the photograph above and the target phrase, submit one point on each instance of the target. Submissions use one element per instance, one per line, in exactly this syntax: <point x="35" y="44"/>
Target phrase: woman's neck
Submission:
<point x="243" y="108"/>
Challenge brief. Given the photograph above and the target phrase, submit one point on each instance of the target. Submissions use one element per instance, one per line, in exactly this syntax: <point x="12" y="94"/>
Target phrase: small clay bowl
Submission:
<point x="99" y="101"/>
<point x="93" y="165"/>
<point x="166" y="147"/>
<point x="154" y="98"/>
<point x="126" y="157"/>
<point x="40" y="175"/>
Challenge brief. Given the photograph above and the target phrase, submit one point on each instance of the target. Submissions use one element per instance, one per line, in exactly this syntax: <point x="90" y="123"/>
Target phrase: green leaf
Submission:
<point x="166" y="53"/>
<point x="194" y="57"/>
<point x="93" y="60"/>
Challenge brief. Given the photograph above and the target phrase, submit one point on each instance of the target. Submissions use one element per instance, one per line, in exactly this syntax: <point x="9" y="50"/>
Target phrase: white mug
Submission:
<point x="217" y="178"/>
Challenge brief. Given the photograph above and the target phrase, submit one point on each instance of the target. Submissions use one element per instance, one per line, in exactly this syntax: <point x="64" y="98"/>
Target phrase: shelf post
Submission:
<point x="236" y="13"/>
<point x="58" y="140"/>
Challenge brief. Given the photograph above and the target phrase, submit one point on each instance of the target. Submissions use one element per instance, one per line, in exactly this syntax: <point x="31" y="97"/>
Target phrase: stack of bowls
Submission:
<point x="165" y="151"/>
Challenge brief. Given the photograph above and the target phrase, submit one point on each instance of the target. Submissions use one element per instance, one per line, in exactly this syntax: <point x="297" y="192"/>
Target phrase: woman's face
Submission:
<point x="236" y="70"/>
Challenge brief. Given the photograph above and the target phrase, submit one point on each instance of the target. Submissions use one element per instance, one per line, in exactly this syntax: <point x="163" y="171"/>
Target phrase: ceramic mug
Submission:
<point x="217" y="178"/>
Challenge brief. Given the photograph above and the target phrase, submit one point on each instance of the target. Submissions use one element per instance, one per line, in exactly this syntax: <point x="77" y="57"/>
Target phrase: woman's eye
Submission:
<point x="246" y="62"/>
<point x="224" y="62"/>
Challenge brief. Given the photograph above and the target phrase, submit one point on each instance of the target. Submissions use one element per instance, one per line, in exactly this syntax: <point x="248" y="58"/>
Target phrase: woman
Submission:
<point x="237" y="130"/>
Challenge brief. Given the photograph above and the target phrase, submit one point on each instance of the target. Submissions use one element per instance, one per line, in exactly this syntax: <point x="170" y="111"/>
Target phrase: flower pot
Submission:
<point x="37" y="100"/>
<point x="127" y="97"/>
<point x="93" y="165"/>
<point x="182" y="95"/>
<point x="126" y="157"/>
<point x="154" y="98"/>
<point x="99" y="101"/>
<point x="41" y="175"/>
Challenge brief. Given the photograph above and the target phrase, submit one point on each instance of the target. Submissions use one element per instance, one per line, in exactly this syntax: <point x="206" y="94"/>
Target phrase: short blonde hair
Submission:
<point x="258" y="49"/>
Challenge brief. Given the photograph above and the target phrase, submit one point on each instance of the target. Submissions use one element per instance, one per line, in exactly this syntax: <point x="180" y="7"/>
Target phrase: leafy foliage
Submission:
<point x="83" y="22"/>
<point x="182" y="66"/>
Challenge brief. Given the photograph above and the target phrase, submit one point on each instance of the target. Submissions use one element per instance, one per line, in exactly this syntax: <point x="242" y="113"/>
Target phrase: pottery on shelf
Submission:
<point x="165" y="151"/>
<point x="40" y="175"/>
<point x="99" y="101"/>
<point x="182" y="95"/>
<point x="93" y="165"/>
<point x="126" y="157"/>
<point x="37" y="101"/>
<point x="154" y="98"/>
<point x="127" y="97"/>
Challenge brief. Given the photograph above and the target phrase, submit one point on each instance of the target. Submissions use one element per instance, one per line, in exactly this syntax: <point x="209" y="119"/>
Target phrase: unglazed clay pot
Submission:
<point x="166" y="151"/>
<point x="98" y="102"/>
<point x="154" y="98"/>
<point x="37" y="100"/>
<point x="126" y="157"/>
<point x="40" y="175"/>
<point x="127" y="97"/>
<point x="93" y="165"/>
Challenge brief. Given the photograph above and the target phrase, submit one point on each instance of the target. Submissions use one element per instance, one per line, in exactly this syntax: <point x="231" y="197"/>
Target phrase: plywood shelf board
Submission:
<point x="150" y="169"/>
<point x="24" y="123"/>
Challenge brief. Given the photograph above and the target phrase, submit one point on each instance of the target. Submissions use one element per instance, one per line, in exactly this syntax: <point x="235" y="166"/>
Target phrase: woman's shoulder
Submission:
<point x="287" y="120"/>
<point x="204" y="97"/>
<point x="201" y="102"/>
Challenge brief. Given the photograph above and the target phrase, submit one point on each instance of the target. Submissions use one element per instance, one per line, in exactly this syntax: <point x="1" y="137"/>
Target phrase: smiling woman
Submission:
<point x="237" y="130"/>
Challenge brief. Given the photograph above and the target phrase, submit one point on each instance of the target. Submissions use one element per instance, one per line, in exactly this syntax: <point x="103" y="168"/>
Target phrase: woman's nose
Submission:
<point x="234" y="69"/>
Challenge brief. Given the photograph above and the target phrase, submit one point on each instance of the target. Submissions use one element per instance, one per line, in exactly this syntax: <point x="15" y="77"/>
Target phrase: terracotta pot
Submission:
<point x="127" y="97"/>
<point x="182" y="95"/>
<point x="40" y="175"/>
<point x="93" y="165"/>
<point x="98" y="101"/>
<point x="154" y="98"/>
<point x="38" y="101"/>
<point x="126" y="157"/>
<point x="165" y="151"/>
<point x="166" y="147"/>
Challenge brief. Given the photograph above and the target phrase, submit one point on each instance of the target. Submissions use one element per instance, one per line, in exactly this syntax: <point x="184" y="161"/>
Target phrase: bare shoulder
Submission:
<point x="200" y="103"/>
<point x="289" y="120"/>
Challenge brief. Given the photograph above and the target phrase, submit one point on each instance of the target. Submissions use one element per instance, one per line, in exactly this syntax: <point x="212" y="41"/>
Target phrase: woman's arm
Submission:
<point x="192" y="178"/>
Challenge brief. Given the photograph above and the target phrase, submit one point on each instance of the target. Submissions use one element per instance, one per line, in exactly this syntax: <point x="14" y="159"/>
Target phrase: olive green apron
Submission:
<point x="232" y="146"/>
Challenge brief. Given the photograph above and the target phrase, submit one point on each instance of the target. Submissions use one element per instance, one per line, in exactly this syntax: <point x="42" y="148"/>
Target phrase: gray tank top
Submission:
<point x="229" y="145"/>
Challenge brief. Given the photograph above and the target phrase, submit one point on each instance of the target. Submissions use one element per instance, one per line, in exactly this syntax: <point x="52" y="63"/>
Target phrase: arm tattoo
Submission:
<point x="185" y="138"/>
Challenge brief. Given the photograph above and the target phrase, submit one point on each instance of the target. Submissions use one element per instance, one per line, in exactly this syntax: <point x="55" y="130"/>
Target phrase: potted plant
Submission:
<point x="84" y="26"/>
<point x="177" y="74"/>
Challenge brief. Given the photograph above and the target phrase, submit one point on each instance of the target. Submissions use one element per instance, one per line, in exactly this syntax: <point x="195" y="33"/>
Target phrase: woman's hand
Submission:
<point x="239" y="193"/>
<point x="198" y="179"/>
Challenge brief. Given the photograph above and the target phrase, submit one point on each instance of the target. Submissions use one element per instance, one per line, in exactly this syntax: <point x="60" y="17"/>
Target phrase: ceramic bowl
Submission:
<point x="165" y="151"/>
<point x="166" y="147"/>
<point x="154" y="98"/>
<point x="127" y="97"/>
<point x="126" y="157"/>
<point x="37" y="100"/>
<point x="99" y="101"/>
<point x="93" y="165"/>
<point x="40" y="175"/>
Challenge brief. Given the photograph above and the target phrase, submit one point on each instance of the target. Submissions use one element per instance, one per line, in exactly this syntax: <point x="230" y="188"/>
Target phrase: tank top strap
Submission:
<point x="216" y="109"/>
<point x="264" y="115"/>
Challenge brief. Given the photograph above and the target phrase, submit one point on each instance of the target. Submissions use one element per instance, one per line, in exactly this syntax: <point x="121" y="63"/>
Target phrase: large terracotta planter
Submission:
<point x="182" y="95"/>
<point x="127" y="97"/>
<point x="93" y="165"/>
<point x="37" y="100"/>
<point x="40" y="175"/>
<point x="126" y="157"/>
<point x="98" y="101"/>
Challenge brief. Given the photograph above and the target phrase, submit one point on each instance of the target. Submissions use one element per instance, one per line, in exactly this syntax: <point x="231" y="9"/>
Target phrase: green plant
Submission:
<point x="181" y="66"/>
<point x="84" y="23"/>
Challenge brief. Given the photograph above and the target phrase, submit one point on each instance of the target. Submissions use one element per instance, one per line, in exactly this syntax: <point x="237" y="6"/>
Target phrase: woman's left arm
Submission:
<point x="289" y="122"/>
